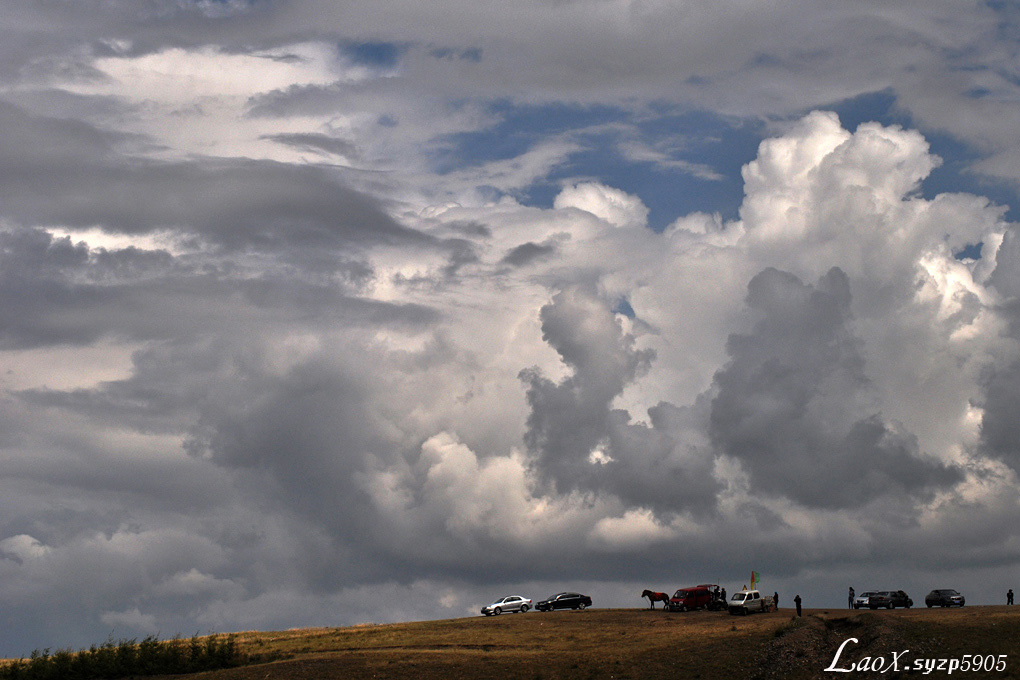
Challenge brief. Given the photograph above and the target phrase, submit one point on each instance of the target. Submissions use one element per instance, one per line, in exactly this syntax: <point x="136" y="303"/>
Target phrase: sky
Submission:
<point x="319" y="314"/>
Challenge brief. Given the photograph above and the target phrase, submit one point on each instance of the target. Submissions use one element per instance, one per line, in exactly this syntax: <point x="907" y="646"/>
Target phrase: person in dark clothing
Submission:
<point x="775" y="600"/>
<point x="850" y="599"/>
<point x="1009" y="596"/>
<point x="796" y="601"/>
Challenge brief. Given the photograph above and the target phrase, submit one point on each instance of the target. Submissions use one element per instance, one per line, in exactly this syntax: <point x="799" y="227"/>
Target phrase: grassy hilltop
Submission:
<point x="633" y="643"/>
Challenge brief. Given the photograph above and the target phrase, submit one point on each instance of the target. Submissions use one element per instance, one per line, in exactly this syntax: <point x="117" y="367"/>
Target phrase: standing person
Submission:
<point x="796" y="601"/>
<point x="775" y="600"/>
<point x="1009" y="596"/>
<point x="850" y="600"/>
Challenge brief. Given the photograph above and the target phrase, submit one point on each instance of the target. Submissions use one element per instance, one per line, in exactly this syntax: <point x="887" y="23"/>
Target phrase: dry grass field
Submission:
<point x="637" y="644"/>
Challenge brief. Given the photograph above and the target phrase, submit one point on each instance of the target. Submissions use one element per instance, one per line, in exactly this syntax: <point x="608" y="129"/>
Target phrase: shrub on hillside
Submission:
<point x="127" y="658"/>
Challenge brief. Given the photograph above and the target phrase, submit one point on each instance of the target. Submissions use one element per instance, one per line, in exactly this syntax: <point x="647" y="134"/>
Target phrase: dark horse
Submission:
<point x="655" y="597"/>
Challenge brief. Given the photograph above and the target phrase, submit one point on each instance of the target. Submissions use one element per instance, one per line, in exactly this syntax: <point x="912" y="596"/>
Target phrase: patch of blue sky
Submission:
<point x="970" y="252"/>
<point x="623" y="307"/>
<point x="680" y="161"/>
<point x="677" y="162"/>
<point x="377" y="54"/>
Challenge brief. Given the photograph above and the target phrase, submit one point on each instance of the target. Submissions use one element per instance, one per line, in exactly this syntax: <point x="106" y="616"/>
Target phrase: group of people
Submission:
<point x="796" y="601"/>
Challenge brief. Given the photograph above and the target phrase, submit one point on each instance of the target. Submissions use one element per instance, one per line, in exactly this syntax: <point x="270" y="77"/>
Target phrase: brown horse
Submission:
<point x="654" y="597"/>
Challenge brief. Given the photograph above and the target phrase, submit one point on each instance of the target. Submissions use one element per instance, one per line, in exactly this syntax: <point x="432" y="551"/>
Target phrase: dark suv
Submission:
<point x="890" y="599"/>
<point x="564" y="601"/>
<point x="944" y="598"/>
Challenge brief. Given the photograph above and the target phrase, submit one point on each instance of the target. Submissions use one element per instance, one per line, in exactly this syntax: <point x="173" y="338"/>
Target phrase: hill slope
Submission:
<point x="637" y="644"/>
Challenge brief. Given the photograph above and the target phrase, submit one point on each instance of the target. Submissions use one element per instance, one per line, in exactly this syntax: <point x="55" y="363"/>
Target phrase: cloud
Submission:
<point x="131" y="619"/>
<point x="793" y="404"/>
<point x="580" y="443"/>
<point x="604" y="202"/>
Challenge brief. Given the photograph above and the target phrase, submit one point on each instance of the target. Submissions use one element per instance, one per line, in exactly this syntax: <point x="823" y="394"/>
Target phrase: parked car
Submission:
<point x="889" y="599"/>
<point x="862" y="599"/>
<point x="510" y="603"/>
<point x="944" y="598"/>
<point x="564" y="601"/>
<point x="748" y="601"/>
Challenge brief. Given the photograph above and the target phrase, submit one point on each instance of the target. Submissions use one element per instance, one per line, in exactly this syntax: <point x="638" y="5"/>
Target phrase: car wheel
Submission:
<point x="582" y="605"/>
<point x="889" y="606"/>
<point x="524" y="609"/>
<point x="497" y="611"/>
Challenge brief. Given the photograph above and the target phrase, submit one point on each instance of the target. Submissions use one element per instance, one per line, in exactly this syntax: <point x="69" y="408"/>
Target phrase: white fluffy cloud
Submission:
<point x="612" y="205"/>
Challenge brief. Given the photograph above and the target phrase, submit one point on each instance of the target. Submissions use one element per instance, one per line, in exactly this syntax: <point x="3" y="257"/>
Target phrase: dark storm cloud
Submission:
<point x="55" y="292"/>
<point x="1006" y="277"/>
<point x="39" y="302"/>
<point x="792" y="404"/>
<point x="62" y="172"/>
<point x="34" y="146"/>
<point x="642" y="464"/>
<point x="300" y="100"/>
<point x="1000" y="422"/>
<point x="528" y="252"/>
<point x="310" y="429"/>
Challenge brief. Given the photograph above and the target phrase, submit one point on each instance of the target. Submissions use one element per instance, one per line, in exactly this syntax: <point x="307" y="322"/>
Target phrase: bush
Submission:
<point x="110" y="661"/>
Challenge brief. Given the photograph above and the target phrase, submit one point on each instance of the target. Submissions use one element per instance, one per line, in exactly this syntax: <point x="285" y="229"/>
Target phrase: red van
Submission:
<point x="695" y="597"/>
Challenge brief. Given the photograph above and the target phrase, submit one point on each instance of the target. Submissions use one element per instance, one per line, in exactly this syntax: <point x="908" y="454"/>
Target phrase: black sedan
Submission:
<point x="944" y="598"/>
<point x="889" y="599"/>
<point x="564" y="601"/>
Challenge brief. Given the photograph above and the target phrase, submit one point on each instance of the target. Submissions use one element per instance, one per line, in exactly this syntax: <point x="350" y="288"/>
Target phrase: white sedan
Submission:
<point x="510" y="603"/>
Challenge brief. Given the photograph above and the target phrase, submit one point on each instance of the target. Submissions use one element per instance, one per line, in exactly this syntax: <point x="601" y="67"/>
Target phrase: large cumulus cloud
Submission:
<point x="580" y="442"/>
<point x="794" y="404"/>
